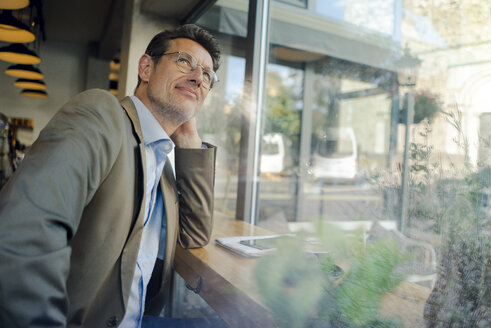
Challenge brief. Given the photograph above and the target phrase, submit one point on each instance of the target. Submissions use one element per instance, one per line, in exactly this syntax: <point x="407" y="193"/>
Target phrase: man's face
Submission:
<point x="174" y="95"/>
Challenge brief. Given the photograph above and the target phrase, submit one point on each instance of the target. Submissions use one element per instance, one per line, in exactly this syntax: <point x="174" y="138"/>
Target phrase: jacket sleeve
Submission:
<point x="41" y="205"/>
<point x="195" y="179"/>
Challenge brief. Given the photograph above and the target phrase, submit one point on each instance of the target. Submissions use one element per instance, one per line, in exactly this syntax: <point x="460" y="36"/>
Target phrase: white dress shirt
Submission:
<point x="158" y="145"/>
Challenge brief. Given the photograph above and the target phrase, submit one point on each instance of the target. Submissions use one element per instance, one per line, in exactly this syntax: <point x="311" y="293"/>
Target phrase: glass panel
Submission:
<point x="226" y="16"/>
<point x="361" y="13"/>
<point x="376" y="137"/>
<point x="298" y="3"/>
<point x="219" y="119"/>
<point x="280" y="143"/>
<point x="334" y="9"/>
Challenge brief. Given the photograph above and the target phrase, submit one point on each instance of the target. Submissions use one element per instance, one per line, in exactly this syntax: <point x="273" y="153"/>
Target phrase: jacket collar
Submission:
<point x="130" y="109"/>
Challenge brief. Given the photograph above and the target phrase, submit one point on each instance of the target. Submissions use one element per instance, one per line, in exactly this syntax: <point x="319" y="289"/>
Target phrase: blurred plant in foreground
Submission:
<point x="455" y="206"/>
<point x="306" y="290"/>
<point x="462" y="293"/>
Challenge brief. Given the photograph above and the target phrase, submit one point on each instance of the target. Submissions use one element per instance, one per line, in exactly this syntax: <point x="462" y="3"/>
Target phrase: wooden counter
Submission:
<point x="224" y="280"/>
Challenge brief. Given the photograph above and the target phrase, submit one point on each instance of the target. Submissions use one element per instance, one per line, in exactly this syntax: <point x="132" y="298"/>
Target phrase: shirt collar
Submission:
<point x="152" y="131"/>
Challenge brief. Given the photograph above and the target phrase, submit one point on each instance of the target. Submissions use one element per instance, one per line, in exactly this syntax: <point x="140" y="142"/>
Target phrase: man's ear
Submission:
<point x="145" y="66"/>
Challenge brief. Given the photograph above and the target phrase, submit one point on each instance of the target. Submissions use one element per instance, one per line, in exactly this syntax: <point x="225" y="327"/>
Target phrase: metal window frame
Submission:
<point x="257" y="44"/>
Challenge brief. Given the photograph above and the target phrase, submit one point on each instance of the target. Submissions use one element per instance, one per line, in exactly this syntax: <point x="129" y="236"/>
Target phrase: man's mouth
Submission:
<point x="189" y="91"/>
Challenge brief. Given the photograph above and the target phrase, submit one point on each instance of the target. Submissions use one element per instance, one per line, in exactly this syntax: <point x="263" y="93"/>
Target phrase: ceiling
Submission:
<point x="75" y="21"/>
<point x="101" y="21"/>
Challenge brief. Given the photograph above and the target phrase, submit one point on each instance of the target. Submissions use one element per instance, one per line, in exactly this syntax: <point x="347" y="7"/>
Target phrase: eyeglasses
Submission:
<point x="187" y="64"/>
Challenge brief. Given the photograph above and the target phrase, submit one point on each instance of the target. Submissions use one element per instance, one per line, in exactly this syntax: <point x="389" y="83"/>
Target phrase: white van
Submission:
<point x="273" y="153"/>
<point x="335" y="155"/>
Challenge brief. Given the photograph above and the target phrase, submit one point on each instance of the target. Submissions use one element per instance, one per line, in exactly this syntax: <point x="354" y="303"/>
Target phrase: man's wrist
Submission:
<point x="189" y="143"/>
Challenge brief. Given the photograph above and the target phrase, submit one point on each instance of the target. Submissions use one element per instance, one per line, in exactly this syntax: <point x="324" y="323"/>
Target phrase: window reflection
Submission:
<point x="219" y="120"/>
<point x="334" y="132"/>
<point x="339" y="134"/>
<point x="298" y="3"/>
<point x="334" y="155"/>
<point x="348" y="153"/>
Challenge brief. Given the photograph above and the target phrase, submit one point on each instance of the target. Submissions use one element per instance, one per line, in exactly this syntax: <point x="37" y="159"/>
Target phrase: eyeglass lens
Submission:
<point x="187" y="64"/>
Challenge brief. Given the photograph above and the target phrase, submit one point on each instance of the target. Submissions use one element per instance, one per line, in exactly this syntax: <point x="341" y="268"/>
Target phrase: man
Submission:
<point x="90" y="221"/>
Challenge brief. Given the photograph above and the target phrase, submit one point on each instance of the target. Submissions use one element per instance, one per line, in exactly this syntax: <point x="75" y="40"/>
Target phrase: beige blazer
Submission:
<point x="71" y="218"/>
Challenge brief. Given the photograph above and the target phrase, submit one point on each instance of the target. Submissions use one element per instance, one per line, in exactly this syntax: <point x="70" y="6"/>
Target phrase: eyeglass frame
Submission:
<point x="214" y="79"/>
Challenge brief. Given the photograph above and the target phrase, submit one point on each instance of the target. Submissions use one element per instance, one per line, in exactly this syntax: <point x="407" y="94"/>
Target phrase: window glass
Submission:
<point x="226" y="16"/>
<point x="219" y="120"/>
<point x="280" y="143"/>
<point x="298" y="3"/>
<point x="376" y="125"/>
<point x="374" y="138"/>
<point x="361" y="13"/>
<point x="334" y="9"/>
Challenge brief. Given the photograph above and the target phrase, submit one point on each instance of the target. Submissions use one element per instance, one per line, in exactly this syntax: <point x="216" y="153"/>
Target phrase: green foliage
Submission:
<point x="282" y="114"/>
<point x="290" y="284"/>
<point x="425" y="195"/>
<point x="426" y="105"/>
<point x="435" y="199"/>
<point x="355" y="300"/>
<point x="371" y="276"/>
<point x="461" y="294"/>
<point x="303" y="290"/>
<point x="456" y="207"/>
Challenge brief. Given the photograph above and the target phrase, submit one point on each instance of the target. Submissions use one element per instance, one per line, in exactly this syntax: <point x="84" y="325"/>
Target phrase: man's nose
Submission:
<point x="197" y="75"/>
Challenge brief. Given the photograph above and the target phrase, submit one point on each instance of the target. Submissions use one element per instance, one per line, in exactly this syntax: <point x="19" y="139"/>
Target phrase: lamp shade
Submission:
<point x="13" y="30"/>
<point x="34" y="93"/>
<point x="115" y="64"/>
<point x="113" y="87"/>
<point x="113" y="76"/>
<point x="24" y="72"/>
<point x="13" y="4"/>
<point x="19" y="54"/>
<point x="30" y="84"/>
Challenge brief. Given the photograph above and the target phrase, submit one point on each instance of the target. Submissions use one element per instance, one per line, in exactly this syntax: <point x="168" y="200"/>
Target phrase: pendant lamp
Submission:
<point x="34" y="93"/>
<point x="30" y="84"/>
<point x="13" y="30"/>
<point x="113" y="87"/>
<point x="19" y="54"/>
<point x="115" y="64"/>
<point x="113" y="76"/>
<point x="24" y="72"/>
<point x="13" y="4"/>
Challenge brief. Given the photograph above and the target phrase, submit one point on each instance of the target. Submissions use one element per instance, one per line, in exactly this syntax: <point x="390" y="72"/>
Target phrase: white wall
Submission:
<point x="138" y="30"/>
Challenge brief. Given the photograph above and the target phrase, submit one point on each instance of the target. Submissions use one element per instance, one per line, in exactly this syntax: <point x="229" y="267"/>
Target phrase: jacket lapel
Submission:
<point x="130" y="251"/>
<point x="170" y="196"/>
<point x="130" y="109"/>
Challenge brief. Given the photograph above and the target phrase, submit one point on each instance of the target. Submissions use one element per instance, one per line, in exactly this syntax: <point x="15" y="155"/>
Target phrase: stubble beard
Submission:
<point x="169" y="110"/>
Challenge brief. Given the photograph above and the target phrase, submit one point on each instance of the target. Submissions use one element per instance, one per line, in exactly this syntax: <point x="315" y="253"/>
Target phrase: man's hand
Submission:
<point x="186" y="135"/>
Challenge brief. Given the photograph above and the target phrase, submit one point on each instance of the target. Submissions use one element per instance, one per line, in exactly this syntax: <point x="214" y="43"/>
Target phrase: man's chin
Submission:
<point x="184" y="115"/>
<point x="188" y="109"/>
